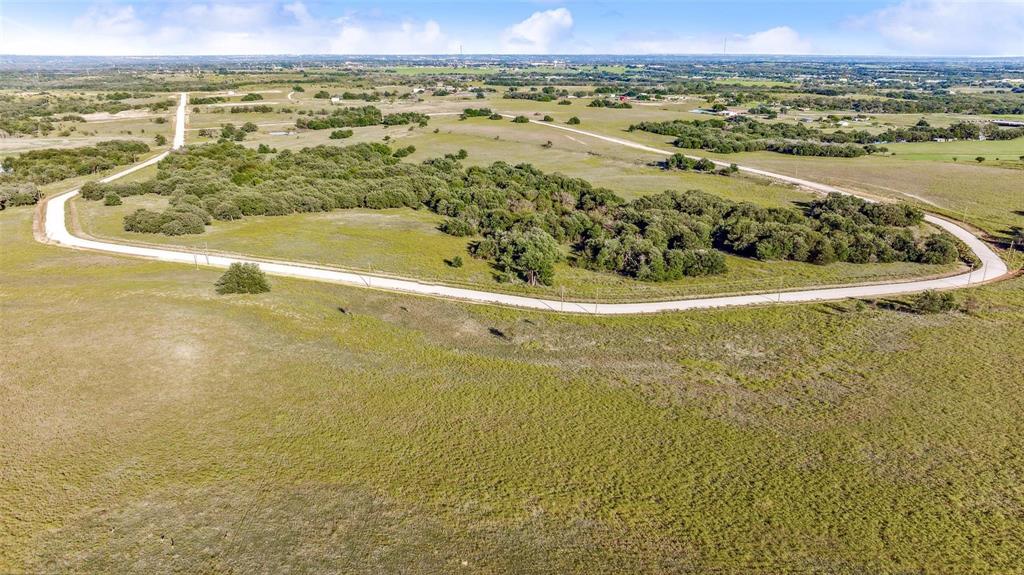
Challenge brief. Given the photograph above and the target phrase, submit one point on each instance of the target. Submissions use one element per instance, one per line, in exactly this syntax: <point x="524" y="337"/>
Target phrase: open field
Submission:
<point x="813" y="436"/>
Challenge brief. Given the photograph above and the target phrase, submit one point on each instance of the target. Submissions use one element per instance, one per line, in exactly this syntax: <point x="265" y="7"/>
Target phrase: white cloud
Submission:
<point x="108" y="20"/>
<point x="299" y="11"/>
<point x="779" y="40"/>
<point x="363" y="37"/>
<point x="538" y="33"/>
<point x="224" y="16"/>
<point x="949" y="27"/>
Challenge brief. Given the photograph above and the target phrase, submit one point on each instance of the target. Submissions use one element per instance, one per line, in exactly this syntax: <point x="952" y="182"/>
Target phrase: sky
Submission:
<point x="235" y="27"/>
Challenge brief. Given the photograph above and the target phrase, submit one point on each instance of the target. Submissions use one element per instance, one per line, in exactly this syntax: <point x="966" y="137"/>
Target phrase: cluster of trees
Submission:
<point x="258" y="109"/>
<point x="237" y="134"/>
<point x="475" y="113"/>
<point x="605" y="103"/>
<point x="360" y="116"/>
<point x="364" y="96"/>
<point x="545" y="94"/>
<point x="116" y="96"/>
<point x="682" y="162"/>
<point x="744" y="134"/>
<point x="207" y="100"/>
<point x="401" y="118"/>
<point x="18" y="195"/>
<point x="52" y="165"/>
<point x="526" y="219"/>
<point x="251" y="97"/>
<point x="343" y="118"/>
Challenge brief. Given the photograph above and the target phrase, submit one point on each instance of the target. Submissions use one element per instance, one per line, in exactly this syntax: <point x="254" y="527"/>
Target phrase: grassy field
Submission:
<point x="153" y="426"/>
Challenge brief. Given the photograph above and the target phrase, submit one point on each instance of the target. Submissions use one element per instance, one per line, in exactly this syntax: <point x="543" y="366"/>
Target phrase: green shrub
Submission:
<point x="341" y="134"/>
<point x="573" y="121"/>
<point x="548" y="119"/>
<point x="521" y="120"/>
<point x="403" y="152"/>
<point x="111" y="199"/>
<point x="243" y="278"/>
<point x="455" y="262"/>
<point x="932" y="301"/>
<point x="19" y="195"/>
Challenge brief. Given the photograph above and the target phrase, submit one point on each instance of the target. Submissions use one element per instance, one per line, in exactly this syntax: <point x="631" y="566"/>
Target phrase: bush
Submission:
<point x="341" y="134"/>
<point x="573" y="121"/>
<point x="403" y="152"/>
<point x="112" y="199"/>
<point x="494" y="116"/>
<point x="548" y="119"/>
<point x="251" y="97"/>
<point x="455" y="262"/>
<point x="21" y="195"/>
<point x="932" y="301"/>
<point x="243" y="278"/>
<point x="521" y="120"/>
<point x="457" y="227"/>
<point x="564" y="102"/>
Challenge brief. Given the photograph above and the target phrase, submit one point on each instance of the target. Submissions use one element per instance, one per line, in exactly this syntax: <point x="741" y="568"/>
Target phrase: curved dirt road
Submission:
<point x="992" y="266"/>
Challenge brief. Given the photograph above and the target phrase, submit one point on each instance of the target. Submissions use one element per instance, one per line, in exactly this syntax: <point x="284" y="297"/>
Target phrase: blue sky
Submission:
<point x="869" y="27"/>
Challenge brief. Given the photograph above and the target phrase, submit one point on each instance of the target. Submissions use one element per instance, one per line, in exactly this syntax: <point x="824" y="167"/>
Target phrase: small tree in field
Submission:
<point x="979" y="159"/>
<point x="243" y="278"/>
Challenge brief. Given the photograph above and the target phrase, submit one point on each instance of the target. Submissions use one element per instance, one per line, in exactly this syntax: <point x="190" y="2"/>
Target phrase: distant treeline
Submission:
<point x="521" y="218"/>
<point x="915" y="103"/>
<point x="743" y="134"/>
